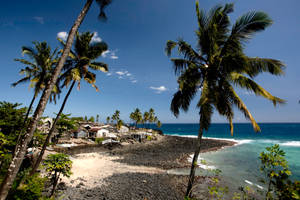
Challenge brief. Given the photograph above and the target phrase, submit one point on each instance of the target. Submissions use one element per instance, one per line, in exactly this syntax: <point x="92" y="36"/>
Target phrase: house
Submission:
<point x="123" y="129"/>
<point x="100" y="132"/>
<point x="80" y="134"/>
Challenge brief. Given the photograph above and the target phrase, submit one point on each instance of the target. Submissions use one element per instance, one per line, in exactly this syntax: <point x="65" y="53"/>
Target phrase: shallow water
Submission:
<point x="240" y="164"/>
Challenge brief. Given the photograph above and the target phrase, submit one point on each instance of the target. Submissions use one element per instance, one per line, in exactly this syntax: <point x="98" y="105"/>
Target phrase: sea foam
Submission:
<point x="291" y="143"/>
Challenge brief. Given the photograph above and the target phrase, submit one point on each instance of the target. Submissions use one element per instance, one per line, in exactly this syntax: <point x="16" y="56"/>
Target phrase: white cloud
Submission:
<point x="108" y="74"/>
<point x="62" y="35"/>
<point x="110" y="54"/>
<point x="159" y="89"/>
<point x="133" y="81"/>
<point x="121" y="73"/>
<point x="96" y="38"/>
<point x="113" y="55"/>
<point x="39" y="19"/>
<point x="105" y="53"/>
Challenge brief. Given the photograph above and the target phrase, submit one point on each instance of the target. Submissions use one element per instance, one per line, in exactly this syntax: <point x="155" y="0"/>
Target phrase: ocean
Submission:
<point x="240" y="163"/>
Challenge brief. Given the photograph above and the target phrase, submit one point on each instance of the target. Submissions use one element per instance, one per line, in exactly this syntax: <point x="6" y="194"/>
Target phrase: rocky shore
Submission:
<point x="134" y="171"/>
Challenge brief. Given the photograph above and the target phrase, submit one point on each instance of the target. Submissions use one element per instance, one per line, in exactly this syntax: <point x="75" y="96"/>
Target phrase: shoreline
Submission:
<point x="134" y="171"/>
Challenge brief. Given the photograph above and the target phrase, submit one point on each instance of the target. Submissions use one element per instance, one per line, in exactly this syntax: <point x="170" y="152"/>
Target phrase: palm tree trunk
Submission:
<point x="21" y="147"/>
<point x="194" y="164"/>
<point x="40" y="157"/>
<point x="24" y="122"/>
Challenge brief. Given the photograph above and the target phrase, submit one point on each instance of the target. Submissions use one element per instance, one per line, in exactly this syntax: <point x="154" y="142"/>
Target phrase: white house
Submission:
<point x="102" y="133"/>
<point x="123" y="129"/>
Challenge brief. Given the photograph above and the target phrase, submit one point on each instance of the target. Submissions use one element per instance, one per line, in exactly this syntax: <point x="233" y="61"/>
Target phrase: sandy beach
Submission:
<point x="135" y="171"/>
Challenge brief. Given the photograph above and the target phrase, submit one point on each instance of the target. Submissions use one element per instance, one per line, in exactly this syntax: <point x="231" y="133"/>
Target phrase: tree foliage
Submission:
<point x="57" y="165"/>
<point x="218" y="65"/>
<point x="276" y="169"/>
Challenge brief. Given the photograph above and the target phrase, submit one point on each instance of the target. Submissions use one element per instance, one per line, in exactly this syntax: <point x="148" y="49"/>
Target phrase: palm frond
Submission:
<point x="99" y="66"/>
<point x="169" y="47"/>
<point x="249" y="24"/>
<point x="180" y="64"/>
<point x="242" y="107"/>
<point x="201" y="17"/>
<point x="249" y="84"/>
<point x="258" y="65"/>
<point x="103" y="4"/>
<point x="23" y="80"/>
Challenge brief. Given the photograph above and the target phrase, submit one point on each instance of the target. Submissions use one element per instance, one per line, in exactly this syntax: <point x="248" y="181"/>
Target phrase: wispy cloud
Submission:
<point x="96" y="38"/>
<point x="123" y="74"/>
<point x="39" y="19"/>
<point x="110" y="54"/>
<point x="62" y="35"/>
<point x="159" y="89"/>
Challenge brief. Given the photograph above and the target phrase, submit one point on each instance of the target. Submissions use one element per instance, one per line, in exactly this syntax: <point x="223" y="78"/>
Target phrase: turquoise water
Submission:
<point x="241" y="162"/>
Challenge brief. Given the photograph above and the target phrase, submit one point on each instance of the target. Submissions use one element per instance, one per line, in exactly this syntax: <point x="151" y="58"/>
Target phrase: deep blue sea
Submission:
<point x="240" y="163"/>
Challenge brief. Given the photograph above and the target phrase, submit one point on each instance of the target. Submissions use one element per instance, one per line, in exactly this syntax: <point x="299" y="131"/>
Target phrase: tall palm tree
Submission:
<point x="217" y="65"/>
<point x="107" y="119"/>
<point x="77" y="68"/>
<point x="38" y="72"/>
<point x="145" y="118"/>
<point x="21" y="147"/>
<point x="116" y="116"/>
<point x="136" y="116"/>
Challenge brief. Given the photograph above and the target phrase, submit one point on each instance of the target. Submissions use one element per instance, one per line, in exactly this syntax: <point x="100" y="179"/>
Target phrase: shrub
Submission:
<point x="56" y="165"/>
<point x="99" y="140"/>
<point x="149" y="137"/>
<point x="31" y="189"/>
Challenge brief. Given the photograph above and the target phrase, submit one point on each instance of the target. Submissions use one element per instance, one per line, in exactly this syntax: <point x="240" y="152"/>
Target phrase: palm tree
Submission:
<point x="107" y="119"/>
<point x="37" y="72"/>
<point x="77" y="67"/>
<point x="21" y="147"/>
<point x="145" y="118"/>
<point x="116" y="116"/>
<point x="151" y="115"/>
<point x="136" y="116"/>
<point x="217" y="65"/>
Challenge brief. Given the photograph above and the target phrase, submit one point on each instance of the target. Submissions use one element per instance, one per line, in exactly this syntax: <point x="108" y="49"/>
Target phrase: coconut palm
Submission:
<point x="136" y="116"/>
<point x="145" y="118"/>
<point x="116" y="116"/>
<point x="77" y="68"/>
<point x="217" y="66"/>
<point x="38" y="71"/>
<point x="21" y="147"/>
<point x="107" y="119"/>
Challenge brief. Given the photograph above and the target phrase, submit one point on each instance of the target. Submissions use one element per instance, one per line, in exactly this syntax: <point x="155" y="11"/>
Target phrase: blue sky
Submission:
<point x="141" y="74"/>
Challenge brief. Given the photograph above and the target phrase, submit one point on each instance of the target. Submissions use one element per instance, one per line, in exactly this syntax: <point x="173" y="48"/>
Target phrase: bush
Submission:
<point x="56" y="165"/>
<point x="99" y="140"/>
<point x="149" y="137"/>
<point x="31" y="189"/>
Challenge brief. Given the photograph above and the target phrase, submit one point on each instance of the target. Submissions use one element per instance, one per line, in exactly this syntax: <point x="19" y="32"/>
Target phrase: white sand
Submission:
<point x="91" y="168"/>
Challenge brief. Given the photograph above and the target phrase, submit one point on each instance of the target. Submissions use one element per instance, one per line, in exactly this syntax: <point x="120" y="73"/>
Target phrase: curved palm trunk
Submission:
<point x="21" y="147"/>
<point x="40" y="157"/>
<point x="24" y="122"/>
<point x="194" y="164"/>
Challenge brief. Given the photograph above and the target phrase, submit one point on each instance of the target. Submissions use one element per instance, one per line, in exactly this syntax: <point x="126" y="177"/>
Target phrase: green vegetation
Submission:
<point x="136" y="116"/>
<point x="116" y="116"/>
<point x="31" y="189"/>
<point x="22" y="144"/>
<point x="99" y="140"/>
<point x="57" y="165"/>
<point x="276" y="170"/>
<point x="217" y="66"/>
